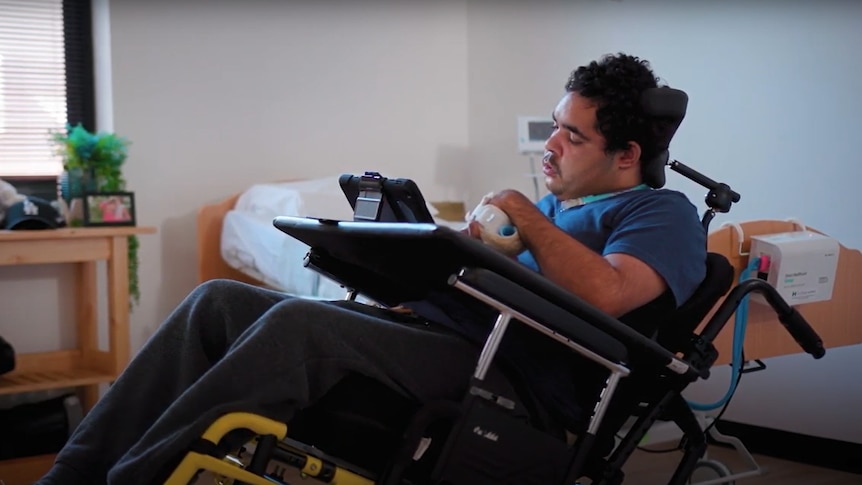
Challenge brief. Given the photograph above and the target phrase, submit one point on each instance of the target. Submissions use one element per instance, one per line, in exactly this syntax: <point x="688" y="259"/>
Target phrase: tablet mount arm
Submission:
<point x="720" y="195"/>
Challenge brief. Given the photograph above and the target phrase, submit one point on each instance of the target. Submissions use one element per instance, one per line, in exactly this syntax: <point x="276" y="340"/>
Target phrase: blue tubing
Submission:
<point x="738" y="339"/>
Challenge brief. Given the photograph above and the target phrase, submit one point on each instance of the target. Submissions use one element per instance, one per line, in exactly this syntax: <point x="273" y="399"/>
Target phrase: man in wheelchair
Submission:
<point x="633" y="252"/>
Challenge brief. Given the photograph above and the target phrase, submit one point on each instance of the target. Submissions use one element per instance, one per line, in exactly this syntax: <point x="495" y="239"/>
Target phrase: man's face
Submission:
<point x="575" y="161"/>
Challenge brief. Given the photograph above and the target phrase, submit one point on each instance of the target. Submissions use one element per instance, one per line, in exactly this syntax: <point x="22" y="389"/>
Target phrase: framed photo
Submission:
<point x="109" y="209"/>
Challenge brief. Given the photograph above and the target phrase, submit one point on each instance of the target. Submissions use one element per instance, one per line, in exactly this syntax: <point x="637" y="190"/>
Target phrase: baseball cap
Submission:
<point x="32" y="213"/>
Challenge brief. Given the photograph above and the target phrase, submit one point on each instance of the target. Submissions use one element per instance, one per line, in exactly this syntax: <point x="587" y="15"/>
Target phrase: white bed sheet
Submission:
<point x="251" y="245"/>
<point x="307" y="198"/>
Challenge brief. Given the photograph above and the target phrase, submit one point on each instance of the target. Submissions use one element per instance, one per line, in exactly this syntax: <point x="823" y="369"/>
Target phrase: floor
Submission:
<point x="655" y="469"/>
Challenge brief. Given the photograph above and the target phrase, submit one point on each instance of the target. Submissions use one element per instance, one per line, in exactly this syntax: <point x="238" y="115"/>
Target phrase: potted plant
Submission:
<point x="92" y="163"/>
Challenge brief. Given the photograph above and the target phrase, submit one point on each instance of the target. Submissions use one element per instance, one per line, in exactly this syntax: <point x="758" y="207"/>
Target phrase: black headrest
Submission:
<point x="666" y="106"/>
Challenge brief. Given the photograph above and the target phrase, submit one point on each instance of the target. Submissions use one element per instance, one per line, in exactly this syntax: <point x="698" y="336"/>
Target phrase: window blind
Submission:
<point x="33" y="95"/>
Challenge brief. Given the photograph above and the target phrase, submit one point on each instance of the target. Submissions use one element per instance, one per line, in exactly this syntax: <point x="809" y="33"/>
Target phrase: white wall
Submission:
<point x="220" y="95"/>
<point x="773" y="111"/>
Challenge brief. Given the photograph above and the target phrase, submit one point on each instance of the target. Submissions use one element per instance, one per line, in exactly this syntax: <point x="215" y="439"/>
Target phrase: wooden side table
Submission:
<point x="85" y="366"/>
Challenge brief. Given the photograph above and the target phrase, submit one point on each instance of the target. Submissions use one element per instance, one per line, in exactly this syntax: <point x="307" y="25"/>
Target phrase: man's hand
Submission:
<point x="508" y="198"/>
<point x="489" y="211"/>
<point x="513" y="203"/>
<point x="473" y="229"/>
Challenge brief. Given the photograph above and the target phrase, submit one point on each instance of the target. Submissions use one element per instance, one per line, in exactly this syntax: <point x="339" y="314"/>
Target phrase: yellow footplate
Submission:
<point x="226" y="469"/>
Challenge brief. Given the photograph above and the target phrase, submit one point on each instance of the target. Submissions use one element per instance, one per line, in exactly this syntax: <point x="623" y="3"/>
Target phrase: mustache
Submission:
<point x="551" y="159"/>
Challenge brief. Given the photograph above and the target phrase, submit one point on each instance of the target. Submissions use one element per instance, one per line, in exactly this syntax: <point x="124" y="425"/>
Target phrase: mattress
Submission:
<point x="307" y="198"/>
<point x="251" y="245"/>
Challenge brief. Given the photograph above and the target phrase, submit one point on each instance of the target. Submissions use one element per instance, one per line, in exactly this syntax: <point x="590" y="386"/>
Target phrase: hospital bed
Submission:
<point x="364" y="433"/>
<point x="236" y="238"/>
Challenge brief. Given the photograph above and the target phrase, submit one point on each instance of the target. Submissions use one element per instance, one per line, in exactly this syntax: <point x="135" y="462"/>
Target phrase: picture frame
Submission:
<point x="109" y="209"/>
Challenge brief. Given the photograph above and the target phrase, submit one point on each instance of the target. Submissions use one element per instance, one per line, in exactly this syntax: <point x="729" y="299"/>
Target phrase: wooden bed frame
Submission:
<point x="834" y="320"/>
<point x="210" y="263"/>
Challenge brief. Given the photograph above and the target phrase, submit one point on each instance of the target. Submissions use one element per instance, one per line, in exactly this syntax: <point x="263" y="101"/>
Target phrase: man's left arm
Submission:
<point x="615" y="284"/>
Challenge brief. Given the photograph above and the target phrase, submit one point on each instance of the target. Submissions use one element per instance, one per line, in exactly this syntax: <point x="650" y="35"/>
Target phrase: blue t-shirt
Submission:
<point x="660" y="227"/>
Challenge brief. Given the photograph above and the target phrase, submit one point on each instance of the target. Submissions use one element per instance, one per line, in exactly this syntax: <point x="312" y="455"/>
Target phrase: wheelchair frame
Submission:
<point x="564" y="318"/>
<point x="578" y="461"/>
<point x="324" y="468"/>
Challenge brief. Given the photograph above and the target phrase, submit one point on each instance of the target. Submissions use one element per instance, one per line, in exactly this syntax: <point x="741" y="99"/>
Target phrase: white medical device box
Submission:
<point x="802" y="265"/>
<point x="533" y="131"/>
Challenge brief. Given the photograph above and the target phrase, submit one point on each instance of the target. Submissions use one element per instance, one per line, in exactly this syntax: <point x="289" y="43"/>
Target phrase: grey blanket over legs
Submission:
<point x="233" y="347"/>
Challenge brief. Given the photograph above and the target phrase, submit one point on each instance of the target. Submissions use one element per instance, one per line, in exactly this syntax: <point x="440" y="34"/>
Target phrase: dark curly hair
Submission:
<point x="615" y="84"/>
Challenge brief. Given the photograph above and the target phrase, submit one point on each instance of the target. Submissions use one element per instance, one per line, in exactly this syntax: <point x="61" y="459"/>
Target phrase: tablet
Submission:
<point x="376" y="198"/>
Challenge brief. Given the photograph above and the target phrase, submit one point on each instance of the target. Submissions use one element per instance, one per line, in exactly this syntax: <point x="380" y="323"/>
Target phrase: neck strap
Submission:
<point x="568" y="204"/>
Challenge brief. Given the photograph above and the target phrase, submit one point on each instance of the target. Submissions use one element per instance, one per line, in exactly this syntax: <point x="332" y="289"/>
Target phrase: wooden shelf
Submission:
<point x="25" y="471"/>
<point x="61" y="369"/>
<point x="41" y="381"/>
<point x="69" y="245"/>
<point x="55" y="370"/>
<point x="74" y="233"/>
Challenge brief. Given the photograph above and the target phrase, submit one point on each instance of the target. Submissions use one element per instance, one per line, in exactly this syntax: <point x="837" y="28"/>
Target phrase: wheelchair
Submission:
<point x="362" y="433"/>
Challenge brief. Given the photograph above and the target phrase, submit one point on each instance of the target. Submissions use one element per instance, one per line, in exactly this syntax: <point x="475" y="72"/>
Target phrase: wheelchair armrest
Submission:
<point x="554" y="318"/>
<point x="559" y="311"/>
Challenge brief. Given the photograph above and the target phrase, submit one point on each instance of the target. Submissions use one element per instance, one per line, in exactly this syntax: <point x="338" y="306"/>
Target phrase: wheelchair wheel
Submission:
<point x="706" y="470"/>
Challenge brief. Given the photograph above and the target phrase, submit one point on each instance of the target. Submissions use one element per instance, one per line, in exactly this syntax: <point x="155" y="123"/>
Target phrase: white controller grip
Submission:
<point x="497" y="231"/>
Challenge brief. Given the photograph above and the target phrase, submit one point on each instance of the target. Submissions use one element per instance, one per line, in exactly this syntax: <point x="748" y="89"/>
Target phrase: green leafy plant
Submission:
<point x="98" y="158"/>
